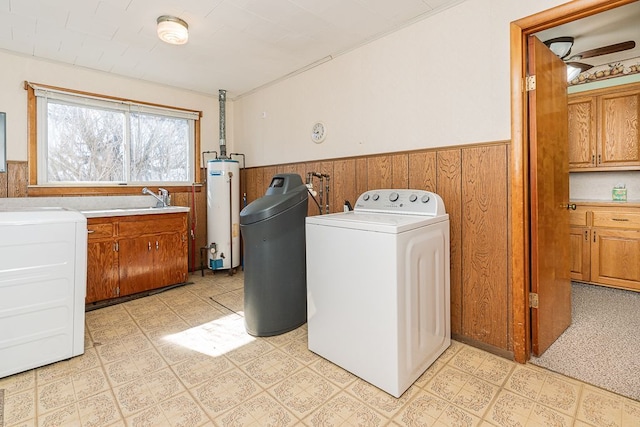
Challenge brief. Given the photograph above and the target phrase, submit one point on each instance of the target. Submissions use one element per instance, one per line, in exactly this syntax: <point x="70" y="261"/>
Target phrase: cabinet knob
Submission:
<point x="571" y="206"/>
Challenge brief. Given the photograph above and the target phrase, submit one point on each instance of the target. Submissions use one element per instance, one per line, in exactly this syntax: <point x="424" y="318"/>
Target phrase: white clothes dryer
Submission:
<point x="378" y="295"/>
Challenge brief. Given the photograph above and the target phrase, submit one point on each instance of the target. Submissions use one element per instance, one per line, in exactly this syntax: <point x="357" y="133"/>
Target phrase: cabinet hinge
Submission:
<point x="530" y="83"/>
<point x="118" y="291"/>
<point x="116" y="247"/>
<point x="533" y="300"/>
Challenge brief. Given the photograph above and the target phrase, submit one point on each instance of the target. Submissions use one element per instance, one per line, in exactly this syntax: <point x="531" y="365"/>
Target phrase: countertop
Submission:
<point x="607" y="203"/>
<point x="108" y="212"/>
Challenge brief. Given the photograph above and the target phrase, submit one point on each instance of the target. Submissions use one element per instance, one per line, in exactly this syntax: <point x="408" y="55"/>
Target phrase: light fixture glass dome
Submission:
<point x="561" y="46"/>
<point x="172" y="30"/>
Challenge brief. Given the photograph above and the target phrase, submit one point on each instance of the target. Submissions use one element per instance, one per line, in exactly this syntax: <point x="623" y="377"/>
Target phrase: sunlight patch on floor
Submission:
<point x="214" y="338"/>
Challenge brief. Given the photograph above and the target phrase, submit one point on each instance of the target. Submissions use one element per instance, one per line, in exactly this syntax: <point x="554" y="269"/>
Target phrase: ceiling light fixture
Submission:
<point x="172" y="30"/>
<point x="561" y="46"/>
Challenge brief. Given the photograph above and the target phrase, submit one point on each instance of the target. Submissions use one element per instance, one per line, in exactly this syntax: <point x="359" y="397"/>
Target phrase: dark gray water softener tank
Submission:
<point x="275" y="282"/>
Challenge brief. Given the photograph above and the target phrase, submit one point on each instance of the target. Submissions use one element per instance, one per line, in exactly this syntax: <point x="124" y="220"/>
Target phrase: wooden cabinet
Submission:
<point x="580" y="254"/>
<point x="141" y="253"/>
<point x="605" y="248"/>
<point x="153" y="252"/>
<point x="582" y="132"/>
<point x="102" y="260"/>
<point x="579" y="245"/>
<point x="618" y="133"/>
<point x="603" y="129"/>
<point x="616" y="258"/>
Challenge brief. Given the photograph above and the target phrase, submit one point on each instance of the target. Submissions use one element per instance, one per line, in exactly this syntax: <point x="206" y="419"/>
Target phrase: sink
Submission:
<point x="105" y="212"/>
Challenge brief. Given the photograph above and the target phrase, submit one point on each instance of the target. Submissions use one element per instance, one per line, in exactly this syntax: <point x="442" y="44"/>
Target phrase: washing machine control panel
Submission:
<point x="400" y="201"/>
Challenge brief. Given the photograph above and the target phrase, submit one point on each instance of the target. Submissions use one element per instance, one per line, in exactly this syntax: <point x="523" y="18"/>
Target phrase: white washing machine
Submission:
<point x="378" y="286"/>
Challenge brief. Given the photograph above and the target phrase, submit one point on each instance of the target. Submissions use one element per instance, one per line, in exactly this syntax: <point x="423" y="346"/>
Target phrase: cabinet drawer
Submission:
<point x="99" y="231"/>
<point x="578" y="217"/>
<point x="152" y="224"/>
<point x="616" y="219"/>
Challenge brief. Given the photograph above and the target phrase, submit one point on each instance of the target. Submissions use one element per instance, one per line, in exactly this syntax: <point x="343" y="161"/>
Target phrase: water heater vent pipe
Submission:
<point x="222" y="97"/>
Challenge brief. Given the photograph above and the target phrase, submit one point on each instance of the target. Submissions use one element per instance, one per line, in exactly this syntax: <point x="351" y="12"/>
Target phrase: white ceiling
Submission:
<point x="240" y="45"/>
<point x="237" y="45"/>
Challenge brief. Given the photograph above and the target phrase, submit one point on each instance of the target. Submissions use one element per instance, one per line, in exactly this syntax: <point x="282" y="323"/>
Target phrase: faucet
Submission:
<point x="163" y="197"/>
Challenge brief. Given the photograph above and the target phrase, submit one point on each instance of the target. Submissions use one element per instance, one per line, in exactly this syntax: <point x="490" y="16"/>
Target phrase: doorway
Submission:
<point x="520" y="160"/>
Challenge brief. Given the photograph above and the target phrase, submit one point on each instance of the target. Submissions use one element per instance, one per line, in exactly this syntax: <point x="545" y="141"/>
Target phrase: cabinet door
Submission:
<point x="582" y="132"/>
<point x="170" y="259"/>
<point x="580" y="254"/>
<point x="619" y="141"/>
<point x="615" y="258"/>
<point x="102" y="271"/>
<point x="136" y="265"/>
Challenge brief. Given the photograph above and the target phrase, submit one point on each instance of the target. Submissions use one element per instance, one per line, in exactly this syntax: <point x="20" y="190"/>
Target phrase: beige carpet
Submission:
<point x="602" y="345"/>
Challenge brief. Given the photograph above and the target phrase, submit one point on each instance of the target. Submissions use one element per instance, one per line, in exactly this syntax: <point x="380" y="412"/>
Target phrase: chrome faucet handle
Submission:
<point x="164" y="194"/>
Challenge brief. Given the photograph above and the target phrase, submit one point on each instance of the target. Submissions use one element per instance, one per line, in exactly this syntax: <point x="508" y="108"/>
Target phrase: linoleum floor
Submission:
<point x="183" y="358"/>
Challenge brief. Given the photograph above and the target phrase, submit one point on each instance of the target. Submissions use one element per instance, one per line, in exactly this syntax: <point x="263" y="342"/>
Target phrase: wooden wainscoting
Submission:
<point x="473" y="183"/>
<point x="13" y="183"/>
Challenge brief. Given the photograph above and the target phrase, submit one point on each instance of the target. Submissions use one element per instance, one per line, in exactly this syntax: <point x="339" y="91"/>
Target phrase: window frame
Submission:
<point x="37" y="189"/>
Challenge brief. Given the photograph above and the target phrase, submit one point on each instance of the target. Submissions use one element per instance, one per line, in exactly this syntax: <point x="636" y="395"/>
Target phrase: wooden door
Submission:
<point x="549" y="168"/>
<point x="618" y="130"/>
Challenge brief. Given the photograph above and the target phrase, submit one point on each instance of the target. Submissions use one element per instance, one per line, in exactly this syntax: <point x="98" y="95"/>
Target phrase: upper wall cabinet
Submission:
<point x="603" y="129"/>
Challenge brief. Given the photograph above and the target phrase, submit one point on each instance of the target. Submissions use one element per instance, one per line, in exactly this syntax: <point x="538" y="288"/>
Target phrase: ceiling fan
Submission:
<point x="561" y="46"/>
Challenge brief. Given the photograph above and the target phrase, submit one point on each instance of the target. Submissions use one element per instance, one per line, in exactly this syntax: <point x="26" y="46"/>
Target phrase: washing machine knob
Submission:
<point x="365" y="197"/>
<point x="393" y="196"/>
<point x="376" y="197"/>
<point x="425" y="198"/>
<point x="413" y="198"/>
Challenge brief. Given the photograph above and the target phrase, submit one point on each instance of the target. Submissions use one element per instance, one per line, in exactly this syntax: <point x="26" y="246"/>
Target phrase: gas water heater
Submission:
<point x="223" y="213"/>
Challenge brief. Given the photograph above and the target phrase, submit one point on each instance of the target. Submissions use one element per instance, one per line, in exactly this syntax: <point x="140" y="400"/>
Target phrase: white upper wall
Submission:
<point x="439" y="82"/>
<point x="442" y="81"/>
<point x="15" y="69"/>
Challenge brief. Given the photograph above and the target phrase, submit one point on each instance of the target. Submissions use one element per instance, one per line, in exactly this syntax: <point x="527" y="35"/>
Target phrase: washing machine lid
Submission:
<point x="38" y="215"/>
<point x="377" y="222"/>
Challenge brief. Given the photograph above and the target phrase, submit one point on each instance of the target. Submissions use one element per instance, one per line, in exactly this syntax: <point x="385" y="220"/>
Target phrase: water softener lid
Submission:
<point x="271" y="205"/>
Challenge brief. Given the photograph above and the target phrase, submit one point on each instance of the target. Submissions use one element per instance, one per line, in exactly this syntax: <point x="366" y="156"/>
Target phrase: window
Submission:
<point x="88" y="140"/>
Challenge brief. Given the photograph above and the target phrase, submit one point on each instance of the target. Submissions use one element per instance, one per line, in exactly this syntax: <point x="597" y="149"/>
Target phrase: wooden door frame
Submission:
<point x="520" y="207"/>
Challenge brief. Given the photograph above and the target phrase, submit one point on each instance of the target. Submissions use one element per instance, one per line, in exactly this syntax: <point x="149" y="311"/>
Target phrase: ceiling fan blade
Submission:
<point x="581" y="65"/>
<point x="605" y="50"/>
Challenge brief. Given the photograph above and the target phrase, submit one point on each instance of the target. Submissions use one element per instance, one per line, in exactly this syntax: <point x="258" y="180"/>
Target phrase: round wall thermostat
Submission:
<point x="318" y="132"/>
